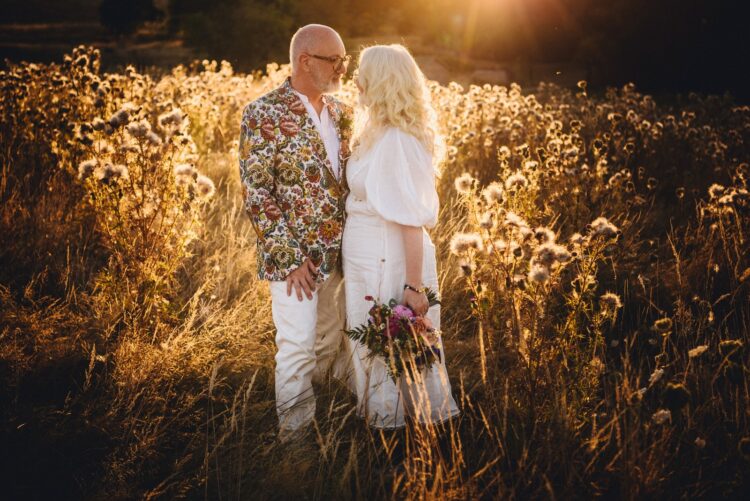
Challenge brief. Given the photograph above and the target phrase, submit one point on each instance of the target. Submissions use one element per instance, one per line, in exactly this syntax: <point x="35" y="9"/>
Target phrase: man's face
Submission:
<point x="324" y="74"/>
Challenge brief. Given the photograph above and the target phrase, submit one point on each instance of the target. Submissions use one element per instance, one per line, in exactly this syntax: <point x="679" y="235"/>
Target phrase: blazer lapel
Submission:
<point x="309" y="130"/>
<point x="336" y="114"/>
<point x="319" y="148"/>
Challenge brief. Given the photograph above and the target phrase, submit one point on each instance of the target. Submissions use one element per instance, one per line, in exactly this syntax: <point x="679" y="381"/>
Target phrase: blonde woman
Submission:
<point x="386" y="251"/>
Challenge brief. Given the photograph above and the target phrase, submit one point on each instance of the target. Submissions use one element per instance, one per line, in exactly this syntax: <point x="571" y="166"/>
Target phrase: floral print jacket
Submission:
<point x="283" y="163"/>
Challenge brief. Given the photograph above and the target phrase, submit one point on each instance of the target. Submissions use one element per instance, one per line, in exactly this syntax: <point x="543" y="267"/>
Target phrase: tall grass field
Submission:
<point x="595" y="279"/>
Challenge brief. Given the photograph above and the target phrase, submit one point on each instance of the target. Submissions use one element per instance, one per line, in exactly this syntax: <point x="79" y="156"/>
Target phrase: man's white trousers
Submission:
<point x="309" y="334"/>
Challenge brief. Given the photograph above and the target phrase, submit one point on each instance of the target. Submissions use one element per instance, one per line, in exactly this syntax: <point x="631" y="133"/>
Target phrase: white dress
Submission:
<point x="393" y="182"/>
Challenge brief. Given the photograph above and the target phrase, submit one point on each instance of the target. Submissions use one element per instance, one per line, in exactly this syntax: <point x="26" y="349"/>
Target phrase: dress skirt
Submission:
<point x="374" y="265"/>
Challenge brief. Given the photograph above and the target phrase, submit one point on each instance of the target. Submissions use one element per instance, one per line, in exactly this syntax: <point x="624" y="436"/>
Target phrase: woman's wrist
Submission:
<point x="419" y="290"/>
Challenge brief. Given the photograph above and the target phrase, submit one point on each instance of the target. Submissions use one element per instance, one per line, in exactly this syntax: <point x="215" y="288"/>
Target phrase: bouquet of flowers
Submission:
<point x="406" y="341"/>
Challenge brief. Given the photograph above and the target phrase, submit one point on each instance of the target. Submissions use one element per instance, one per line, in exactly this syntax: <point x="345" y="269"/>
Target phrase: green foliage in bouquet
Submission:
<point x="407" y="342"/>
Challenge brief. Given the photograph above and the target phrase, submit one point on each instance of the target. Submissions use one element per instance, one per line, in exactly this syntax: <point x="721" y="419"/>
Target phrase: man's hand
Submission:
<point x="302" y="279"/>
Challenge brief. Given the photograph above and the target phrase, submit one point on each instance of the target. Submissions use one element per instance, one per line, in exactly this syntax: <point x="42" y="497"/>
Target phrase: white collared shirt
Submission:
<point x="327" y="130"/>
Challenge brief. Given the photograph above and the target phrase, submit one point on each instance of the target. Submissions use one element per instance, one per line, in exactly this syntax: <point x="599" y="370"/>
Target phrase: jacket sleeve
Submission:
<point x="257" y="151"/>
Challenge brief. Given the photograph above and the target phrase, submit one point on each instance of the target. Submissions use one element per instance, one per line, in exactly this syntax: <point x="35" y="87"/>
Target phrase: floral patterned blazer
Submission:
<point x="283" y="163"/>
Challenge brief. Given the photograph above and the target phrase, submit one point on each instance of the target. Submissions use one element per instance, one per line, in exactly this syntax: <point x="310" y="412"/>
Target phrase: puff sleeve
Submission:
<point x="400" y="184"/>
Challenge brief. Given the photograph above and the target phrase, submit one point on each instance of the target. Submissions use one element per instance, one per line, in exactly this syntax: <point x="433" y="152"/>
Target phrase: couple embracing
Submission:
<point x="339" y="204"/>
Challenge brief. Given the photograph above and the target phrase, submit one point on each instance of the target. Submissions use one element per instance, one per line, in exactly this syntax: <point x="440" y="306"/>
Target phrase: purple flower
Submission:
<point x="401" y="311"/>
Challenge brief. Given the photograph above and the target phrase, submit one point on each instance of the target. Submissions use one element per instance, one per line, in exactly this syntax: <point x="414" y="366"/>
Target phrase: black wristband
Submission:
<point x="420" y="291"/>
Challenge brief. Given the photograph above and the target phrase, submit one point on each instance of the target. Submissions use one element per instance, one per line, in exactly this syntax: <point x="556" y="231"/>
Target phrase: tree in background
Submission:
<point x="248" y="33"/>
<point x="123" y="17"/>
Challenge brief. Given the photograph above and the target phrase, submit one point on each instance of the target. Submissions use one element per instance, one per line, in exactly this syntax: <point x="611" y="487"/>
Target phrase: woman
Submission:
<point x="386" y="252"/>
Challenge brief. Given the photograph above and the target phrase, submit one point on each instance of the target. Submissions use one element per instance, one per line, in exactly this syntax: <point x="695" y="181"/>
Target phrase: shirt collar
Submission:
<point x="302" y="96"/>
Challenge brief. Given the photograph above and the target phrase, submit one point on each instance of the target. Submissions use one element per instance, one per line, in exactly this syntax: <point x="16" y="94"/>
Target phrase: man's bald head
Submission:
<point x="312" y="39"/>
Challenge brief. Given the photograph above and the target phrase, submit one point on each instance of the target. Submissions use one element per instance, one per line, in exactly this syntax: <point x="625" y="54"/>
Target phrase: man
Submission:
<point x="293" y="149"/>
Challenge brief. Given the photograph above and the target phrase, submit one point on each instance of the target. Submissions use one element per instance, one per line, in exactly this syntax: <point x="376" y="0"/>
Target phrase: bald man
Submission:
<point x="293" y="150"/>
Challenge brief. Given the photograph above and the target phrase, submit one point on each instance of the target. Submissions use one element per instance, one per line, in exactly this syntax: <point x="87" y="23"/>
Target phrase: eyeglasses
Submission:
<point x="339" y="63"/>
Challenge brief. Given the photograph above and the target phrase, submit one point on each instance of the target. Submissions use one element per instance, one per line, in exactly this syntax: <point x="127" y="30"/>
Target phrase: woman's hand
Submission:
<point x="413" y="237"/>
<point x="417" y="301"/>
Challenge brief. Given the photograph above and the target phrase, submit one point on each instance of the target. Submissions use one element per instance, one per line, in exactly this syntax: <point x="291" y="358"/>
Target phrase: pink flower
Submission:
<point x="401" y="311"/>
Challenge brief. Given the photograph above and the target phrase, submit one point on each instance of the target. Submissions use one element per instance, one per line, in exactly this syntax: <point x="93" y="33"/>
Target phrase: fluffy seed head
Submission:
<point x="185" y="170"/>
<point x="498" y="245"/>
<point x="86" y="168"/>
<point x="544" y="235"/>
<point x="485" y="221"/>
<point x="462" y="242"/>
<point x="493" y="193"/>
<point x="98" y="124"/>
<point x="153" y="138"/>
<point x="120" y="118"/>
<point x="174" y="117"/>
<point x="525" y="232"/>
<point x="562" y="254"/>
<point x="545" y="254"/>
<point x="662" y="416"/>
<point x="516" y="181"/>
<point x="550" y="253"/>
<point x="139" y="129"/>
<point x="538" y="273"/>
<point x="205" y="186"/>
<point x="576" y="239"/>
<point x="610" y="301"/>
<point x="465" y="183"/>
<point x="108" y="172"/>
<point x="603" y="228"/>
<point x="513" y="219"/>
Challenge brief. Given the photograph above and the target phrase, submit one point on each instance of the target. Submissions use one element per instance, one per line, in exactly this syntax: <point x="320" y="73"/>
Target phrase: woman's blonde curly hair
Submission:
<point x="394" y="94"/>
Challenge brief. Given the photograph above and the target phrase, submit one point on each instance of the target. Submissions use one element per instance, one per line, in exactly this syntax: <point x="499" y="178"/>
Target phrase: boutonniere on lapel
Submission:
<point x="345" y="131"/>
<point x="345" y="123"/>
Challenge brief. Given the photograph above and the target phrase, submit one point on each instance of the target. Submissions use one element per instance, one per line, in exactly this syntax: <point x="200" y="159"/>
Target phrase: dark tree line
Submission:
<point x="664" y="45"/>
<point x="661" y="44"/>
<point x="122" y="17"/>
